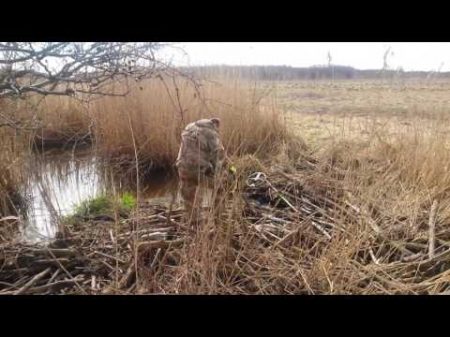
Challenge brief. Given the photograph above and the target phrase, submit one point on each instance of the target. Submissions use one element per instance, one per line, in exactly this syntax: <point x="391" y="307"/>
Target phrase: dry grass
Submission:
<point x="373" y="203"/>
<point x="8" y="183"/>
<point x="11" y="161"/>
<point x="337" y="224"/>
<point x="325" y="111"/>
<point x="11" y="176"/>
<point x="65" y="122"/>
<point x="152" y="118"/>
<point x="384" y="172"/>
<point x="365" y="211"/>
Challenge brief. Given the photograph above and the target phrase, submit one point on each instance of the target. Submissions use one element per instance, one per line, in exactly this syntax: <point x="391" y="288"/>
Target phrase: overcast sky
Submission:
<point x="362" y="55"/>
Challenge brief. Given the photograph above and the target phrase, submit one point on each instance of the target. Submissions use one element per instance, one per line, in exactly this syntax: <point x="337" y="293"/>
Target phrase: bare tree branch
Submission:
<point x="39" y="67"/>
<point x="75" y="69"/>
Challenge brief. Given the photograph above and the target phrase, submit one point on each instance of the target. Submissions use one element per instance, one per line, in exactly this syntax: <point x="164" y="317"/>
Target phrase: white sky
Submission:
<point x="425" y="56"/>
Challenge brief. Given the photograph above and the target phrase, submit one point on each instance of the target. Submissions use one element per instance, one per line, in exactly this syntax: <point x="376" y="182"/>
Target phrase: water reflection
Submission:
<point x="59" y="181"/>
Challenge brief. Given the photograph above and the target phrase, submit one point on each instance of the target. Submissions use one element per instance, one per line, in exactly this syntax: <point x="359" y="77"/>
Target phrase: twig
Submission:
<point x="67" y="272"/>
<point x="155" y="258"/>
<point x="158" y="244"/>
<point x="93" y="284"/>
<point x="372" y="255"/>
<point x="109" y="256"/>
<point x="32" y="281"/>
<point x="320" y="229"/>
<point x="43" y="288"/>
<point x="127" y="278"/>
<point x="432" y="225"/>
<point x="7" y="218"/>
<point x="56" y="273"/>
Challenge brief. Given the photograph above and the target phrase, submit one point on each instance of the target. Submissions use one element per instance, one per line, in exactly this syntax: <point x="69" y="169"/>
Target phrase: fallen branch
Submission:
<point x="35" y="279"/>
<point x="432" y="225"/>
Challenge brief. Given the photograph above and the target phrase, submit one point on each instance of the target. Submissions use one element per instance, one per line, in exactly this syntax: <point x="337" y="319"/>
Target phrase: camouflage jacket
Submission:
<point x="201" y="149"/>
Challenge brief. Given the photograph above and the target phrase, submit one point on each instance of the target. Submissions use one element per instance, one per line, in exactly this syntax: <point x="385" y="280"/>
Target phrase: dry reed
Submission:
<point x="355" y="216"/>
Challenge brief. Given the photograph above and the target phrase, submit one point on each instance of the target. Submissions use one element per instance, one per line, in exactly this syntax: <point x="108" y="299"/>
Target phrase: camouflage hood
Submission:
<point x="202" y="123"/>
<point x="201" y="149"/>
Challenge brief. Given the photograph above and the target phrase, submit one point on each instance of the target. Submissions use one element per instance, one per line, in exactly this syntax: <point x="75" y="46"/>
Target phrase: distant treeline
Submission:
<point x="310" y="73"/>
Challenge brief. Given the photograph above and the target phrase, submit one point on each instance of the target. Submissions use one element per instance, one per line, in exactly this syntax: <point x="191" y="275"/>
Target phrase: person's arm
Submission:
<point x="226" y="161"/>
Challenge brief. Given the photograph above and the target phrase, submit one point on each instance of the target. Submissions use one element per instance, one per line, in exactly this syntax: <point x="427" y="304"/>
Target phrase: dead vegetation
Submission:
<point x="151" y="118"/>
<point x="357" y="211"/>
<point x="288" y="229"/>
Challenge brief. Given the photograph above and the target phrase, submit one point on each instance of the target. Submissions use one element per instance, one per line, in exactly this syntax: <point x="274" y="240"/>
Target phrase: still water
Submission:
<point x="58" y="181"/>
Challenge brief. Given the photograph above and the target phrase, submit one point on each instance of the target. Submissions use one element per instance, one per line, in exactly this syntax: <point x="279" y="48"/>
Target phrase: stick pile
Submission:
<point x="96" y="255"/>
<point x="296" y="233"/>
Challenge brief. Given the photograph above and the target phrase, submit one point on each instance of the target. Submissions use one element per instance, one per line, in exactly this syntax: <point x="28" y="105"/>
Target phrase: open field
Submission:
<point x="346" y="109"/>
<point x="353" y="195"/>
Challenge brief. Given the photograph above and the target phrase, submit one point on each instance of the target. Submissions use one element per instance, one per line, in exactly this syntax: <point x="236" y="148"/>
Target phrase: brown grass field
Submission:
<point x="354" y="197"/>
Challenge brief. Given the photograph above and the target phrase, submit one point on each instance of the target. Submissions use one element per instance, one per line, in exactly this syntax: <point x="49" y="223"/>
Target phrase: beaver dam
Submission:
<point x="285" y="230"/>
<point x="340" y="188"/>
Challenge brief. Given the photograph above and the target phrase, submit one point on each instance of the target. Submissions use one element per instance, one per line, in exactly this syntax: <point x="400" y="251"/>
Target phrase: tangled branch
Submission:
<point x="82" y="70"/>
